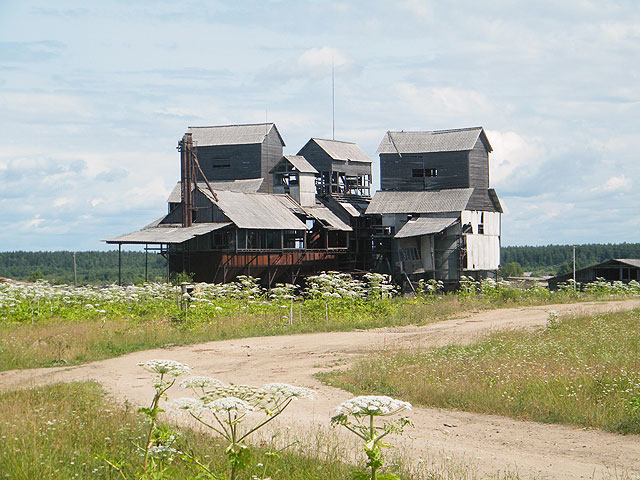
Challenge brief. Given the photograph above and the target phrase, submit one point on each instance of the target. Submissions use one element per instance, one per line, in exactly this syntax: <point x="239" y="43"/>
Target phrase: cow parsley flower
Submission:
<point x="376" y="405"/>
<point x="285" y="391"/>
<point x="187" y="403"/>
<point x="229" y="404"/>
<point x="165" y="367"/>
<point x="200" y="382"/>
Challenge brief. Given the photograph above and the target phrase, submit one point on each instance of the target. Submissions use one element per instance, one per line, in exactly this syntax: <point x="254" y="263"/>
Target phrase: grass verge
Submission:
<point x="55" y="341"/>
<point x="580" y="371"/>
<point x="66" y="431"/>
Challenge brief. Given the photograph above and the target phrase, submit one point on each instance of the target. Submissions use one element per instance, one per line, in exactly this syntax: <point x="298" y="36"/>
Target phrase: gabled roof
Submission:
<point x="298" y="161"/>
<point x="342" y="151"/>
<point x="424" y="226"/>
<point x="260" y="211"/>
<point x="632" y="262"/>
<point x="167" y="234"/>
<point x="250" y="185"/>
<point x="461" y="139"/>
<point x="232" y="134"/>
<point x="391" y="202"/>
<point x="328" y="218"/>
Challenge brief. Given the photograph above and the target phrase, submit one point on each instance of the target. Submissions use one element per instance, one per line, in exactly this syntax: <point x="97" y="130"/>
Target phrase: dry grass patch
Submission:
<point x="581" y="371"/>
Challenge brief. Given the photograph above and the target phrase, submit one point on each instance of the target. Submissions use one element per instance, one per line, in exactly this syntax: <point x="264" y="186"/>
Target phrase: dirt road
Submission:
<point x="490" y="443"/>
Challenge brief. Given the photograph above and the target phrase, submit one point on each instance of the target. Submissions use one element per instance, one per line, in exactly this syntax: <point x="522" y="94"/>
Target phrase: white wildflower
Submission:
<point x="229" y="404"/>
<point x="187" y="403"/>
<point x="284" y="391"/>
<point x="165" y="367"/>
<point x="377" y="405"/>
<point x="200" y="382"/>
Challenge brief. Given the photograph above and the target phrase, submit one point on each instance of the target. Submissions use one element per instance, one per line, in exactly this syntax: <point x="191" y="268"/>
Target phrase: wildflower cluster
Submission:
<point x="364" y="409"/>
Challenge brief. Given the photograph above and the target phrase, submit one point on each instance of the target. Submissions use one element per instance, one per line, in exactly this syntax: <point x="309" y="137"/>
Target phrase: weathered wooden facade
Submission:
<point x="435" y="216"/>
<point x="234" y="152"/>
<point x="616" y="269"/>
<point x="436" y="160"/>
<point x="342" y="167"/>
<point x="244" y="208"/>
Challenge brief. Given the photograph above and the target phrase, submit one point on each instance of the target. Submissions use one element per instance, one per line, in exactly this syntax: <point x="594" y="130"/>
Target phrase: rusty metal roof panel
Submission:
<point x="231" y="134"/>
<point x="451" y="200"/>
<point x="261" y="211"/>
<point x="167" y="235"/>
<point x="424" y="226"/>
<point x="431" y="141"/>
<point x="344" y="151"/>
<point x="250" y="185"/>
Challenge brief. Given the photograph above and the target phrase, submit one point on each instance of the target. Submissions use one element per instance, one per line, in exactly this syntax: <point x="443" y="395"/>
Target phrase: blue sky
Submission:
<point x="94" y="97"/>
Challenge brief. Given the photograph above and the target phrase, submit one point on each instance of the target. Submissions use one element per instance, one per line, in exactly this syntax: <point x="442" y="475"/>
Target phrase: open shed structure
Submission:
<point x="616" y="269"/>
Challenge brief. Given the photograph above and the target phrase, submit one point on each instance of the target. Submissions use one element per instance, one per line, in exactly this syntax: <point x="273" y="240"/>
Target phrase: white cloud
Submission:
<point x="514" y="157"/>
<point x="614" y="184"/>
<point x="420" y="8"/>
<point x="48" y="105"/>
<point x="444" y="101"/>
<point x="319" y="60"/>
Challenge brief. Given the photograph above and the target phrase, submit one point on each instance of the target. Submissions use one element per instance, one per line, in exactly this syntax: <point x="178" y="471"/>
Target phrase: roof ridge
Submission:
<point x="329" y="140"/>
<point x="449" y="130"/>
<point x="236" y="125"/>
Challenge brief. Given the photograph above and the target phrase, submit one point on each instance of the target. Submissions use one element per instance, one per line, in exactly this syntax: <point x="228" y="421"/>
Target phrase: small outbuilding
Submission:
<point x="616" y="269"/>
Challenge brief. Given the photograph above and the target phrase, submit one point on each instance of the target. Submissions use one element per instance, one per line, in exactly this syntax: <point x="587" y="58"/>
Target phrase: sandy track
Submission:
<point x="490" y="443"/>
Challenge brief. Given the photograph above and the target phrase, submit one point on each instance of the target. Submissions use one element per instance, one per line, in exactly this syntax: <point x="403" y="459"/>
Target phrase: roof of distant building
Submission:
<point x="432" y="141"/>
<point x="232" y="134"/>
<point x="342" y="151"/>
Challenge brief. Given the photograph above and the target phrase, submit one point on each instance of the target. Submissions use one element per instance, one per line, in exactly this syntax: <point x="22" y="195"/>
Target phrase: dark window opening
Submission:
<point x="427" y="172"/>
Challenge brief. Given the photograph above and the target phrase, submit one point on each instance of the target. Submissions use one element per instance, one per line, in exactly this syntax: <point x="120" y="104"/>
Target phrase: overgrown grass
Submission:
<point x="580" y="371"/>
<point x="67" y="431"/>
<point x="56" y="341"/>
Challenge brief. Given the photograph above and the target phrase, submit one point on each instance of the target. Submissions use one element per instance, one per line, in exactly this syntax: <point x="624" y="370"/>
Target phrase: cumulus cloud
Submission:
<point x="514" y="157"/>
<point x="444" y="102"/>
<point x="614" y="184"/>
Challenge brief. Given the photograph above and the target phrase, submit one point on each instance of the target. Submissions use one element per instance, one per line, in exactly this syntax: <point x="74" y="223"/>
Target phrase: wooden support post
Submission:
<point x="146" y="261"/>
<point x="119" y="264"/>
<point x="75" y="272"/>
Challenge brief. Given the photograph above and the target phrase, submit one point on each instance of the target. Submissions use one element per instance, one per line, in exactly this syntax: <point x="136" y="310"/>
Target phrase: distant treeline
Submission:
<point x="557" y="259"/>
<point x="102" y="267"/>
<point x="92" y="267"/>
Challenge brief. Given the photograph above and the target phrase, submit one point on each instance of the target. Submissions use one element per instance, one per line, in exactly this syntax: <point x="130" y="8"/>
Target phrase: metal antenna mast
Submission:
<point x="333" y="102"/>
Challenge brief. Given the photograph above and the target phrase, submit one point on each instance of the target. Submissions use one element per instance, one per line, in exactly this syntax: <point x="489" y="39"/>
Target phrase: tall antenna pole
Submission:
<point x="333" y="101"/>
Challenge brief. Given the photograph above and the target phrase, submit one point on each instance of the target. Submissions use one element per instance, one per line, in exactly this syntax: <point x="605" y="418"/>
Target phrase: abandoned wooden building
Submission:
<point x="616" y="269"/>
<point x="243" y="208"/>
<point x="436" y="216"/>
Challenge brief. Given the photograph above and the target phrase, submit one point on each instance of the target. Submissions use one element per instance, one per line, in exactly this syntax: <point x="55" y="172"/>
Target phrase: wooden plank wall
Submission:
<point x="271" y="153"/>
<point x="396" y="173"/>
<point x="479" y="166"/>
<point x="243" y="160"/>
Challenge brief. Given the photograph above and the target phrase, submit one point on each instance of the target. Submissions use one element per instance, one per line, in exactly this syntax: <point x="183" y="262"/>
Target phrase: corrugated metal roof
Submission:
<point x="451" y="200"/>
<point x="167" y="235"/>
<point x="298" y="161"/>
<point x="432" y="141"/>
<point x="327" y="217"/>
<point x="344" y="151"/>
<point x="232" y="134"/>
<point x="633" y="262"/>
<point x="260" y="211"/>
<point x="424" y="226"/>
<point x="251" y="185"/>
